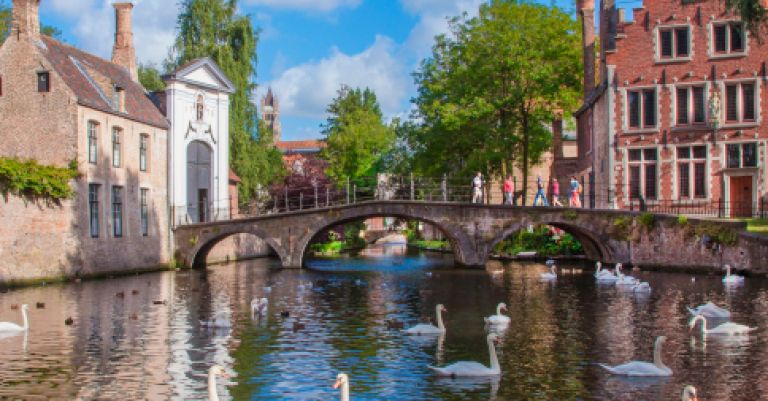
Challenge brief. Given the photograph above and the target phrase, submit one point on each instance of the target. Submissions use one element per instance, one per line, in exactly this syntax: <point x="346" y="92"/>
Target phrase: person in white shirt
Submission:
<point x="477" y="188"/>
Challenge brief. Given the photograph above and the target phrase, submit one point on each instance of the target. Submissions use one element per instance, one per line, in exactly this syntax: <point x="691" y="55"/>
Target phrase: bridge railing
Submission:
<point x="283" y="199"/>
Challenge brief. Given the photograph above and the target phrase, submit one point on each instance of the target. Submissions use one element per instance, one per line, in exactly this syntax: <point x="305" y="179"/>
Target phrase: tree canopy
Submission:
<point x="213" y="28"/>
<point x="150" y="78"/>
<point x="752" y="13"/>
<point x="492" y="86"/>
<point x="356" y="136"/>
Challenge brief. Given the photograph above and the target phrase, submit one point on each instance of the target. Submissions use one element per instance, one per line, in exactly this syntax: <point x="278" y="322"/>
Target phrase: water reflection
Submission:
<point x="334" y="317"/>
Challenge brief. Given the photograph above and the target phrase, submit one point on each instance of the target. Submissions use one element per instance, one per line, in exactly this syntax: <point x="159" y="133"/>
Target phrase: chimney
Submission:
<point x="26" y="18"/>
<point x="123" y="53"/>
<point x="586" y="8"/>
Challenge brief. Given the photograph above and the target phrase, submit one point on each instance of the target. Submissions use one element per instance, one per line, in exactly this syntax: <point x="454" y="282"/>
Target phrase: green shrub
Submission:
<point x="682" y="220"/>
<point x="541" y="241"/>
<point x="647" y="220"/>
<point x="27" y="178"/>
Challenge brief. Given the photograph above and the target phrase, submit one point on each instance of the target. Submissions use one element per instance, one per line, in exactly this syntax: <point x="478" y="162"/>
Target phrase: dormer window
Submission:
<point x="43" y="81"/>
<point x="119" y="99"/>
<point x="200" y="107"/>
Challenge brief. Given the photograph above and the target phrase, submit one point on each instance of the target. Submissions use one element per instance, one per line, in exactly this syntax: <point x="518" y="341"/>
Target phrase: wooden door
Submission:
<point x="741" y="196"/>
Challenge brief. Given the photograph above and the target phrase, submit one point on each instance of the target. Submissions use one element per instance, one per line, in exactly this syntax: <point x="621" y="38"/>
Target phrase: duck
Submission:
<point x="498" y="318"/>
<point x="9" y="327"/>
<point x="214" y="371"/>
<point x="471" y="368"/>
<point x="640" y="368"/>
<point x="429" y="329"/>
<point x="709" y="310"/>
<point x="69" y="321"/>
<point x="342" y="383"/>
<point x="731" y="279"/>
<point x="728" y="328"/>
<point x="550" y="275"/>
<point x="689" y="394"/>
<point x="40" y="305"/>
<point x="641" y="287"/>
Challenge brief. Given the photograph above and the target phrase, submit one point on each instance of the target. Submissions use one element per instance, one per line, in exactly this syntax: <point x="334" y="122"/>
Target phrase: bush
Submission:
<point x="682" y="220"/>
<point x="27" y="178"/>
<point x="647" y="220"/>
<point x="542" y="241"/>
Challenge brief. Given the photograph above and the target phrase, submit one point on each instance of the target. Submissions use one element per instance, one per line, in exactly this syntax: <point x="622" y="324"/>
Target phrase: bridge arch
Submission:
<point x="594" y="249"/>
<point x="464" y="249"/>
<point x="199" y="253"/>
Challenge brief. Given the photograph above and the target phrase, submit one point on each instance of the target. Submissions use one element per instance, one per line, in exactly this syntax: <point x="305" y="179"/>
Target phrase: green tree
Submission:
<point x="752" y="13"/>
<point x="492" y="86"/>
<point x="212" y="28"/>
<point x="356" y="136"/>
<point x="150" y="78"/>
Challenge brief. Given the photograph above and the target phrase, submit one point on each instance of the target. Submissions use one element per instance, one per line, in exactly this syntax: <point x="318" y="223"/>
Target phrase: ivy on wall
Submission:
<point x="29" y="179"/>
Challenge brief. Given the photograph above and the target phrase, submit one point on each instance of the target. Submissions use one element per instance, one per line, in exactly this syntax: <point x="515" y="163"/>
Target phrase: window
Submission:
<point x="93" y="152"/>
<point x="690" y="105"/>
<point x="143" y="147"/>
<point x="740" y="102"/>
<point x="643" y="178"/>
<point x="742" y="155"/>
<point x="43" y="81"/>
<point x="728" y="38"/>
<point x="200" y="107"/>
<point x="674" y="42"/>
<point x="117" y="211"/>
<point x="116" y="132"/>
<point x="144" y="212"/>
<point x="692" y="160"/>
<point x="119" y="100"/>
<point x="642" y="108"/>
<point x="93" y="208"/>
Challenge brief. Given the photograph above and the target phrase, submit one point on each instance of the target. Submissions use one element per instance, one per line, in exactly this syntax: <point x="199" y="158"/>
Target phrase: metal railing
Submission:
<point x="283" y="199"/>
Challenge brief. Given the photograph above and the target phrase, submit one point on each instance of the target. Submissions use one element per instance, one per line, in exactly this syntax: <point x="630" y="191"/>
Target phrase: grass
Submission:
<point x="757" y="225"/>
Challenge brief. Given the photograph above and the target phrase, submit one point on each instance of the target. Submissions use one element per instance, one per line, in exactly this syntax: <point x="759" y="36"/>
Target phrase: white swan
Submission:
<point x="642" y="287"/>
<point x="728" y="328"/>
<point x="600" y="272"/>
<point x="731" y="279"/>
<point x="342" y="380"/>
<point x="429" y="329"/>
<point x="259" y="306"/>
<point x="498" y="318"/>
<point x="623" y="278"/>
<point x="638" y="368"/>
<point x="605" y="276"/>
<point x="709" y="310"/>
<point x="472" y="369"/>
<point x="550" y="275"/>
<point x="214" y="371"/>
<point x="689" y="394"/>
<point x="13" y="327"/>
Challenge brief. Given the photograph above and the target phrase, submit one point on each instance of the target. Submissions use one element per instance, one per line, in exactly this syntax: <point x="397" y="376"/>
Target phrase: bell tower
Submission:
<point x="270" y="113"/>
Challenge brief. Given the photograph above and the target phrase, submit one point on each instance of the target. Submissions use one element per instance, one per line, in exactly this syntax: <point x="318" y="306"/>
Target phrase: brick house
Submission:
<point x="60" y="104"/>
<point x="673" y="113"/>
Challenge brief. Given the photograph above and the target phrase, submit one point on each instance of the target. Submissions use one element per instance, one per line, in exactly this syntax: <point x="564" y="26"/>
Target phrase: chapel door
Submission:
<point x="199" y="182"/>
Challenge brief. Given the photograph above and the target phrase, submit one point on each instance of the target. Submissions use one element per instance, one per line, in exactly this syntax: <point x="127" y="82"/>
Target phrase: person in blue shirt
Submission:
<point x="540" y="193"/>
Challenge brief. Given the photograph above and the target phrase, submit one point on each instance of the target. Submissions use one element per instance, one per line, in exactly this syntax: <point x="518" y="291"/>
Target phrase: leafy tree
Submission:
<point x="213" y="28"/>
<point x="357" y="138"/>
<point x="491" y="87"/>
<point x="752" y="13"/>
<point x="150" y="78"/>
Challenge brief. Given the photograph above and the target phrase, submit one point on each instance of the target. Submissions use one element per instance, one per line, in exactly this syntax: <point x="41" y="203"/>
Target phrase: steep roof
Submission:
<point x="88" y="76"/>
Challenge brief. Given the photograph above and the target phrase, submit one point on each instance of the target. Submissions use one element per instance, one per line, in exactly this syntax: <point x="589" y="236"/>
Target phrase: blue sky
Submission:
<point x="307" y="49"/>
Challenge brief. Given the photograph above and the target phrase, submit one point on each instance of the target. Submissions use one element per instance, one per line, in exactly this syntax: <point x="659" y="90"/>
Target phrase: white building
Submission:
<point x="197" y="106"/>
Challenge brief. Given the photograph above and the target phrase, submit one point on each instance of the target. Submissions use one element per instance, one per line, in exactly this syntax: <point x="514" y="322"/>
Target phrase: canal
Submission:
<point x="141" y="337"/>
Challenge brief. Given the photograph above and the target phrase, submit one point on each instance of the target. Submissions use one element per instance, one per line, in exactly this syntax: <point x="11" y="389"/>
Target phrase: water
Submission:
<point x="127" y="347"/>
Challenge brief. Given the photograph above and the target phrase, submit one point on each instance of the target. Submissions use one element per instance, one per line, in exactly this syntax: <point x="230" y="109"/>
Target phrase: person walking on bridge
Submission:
<point x="556" y="193"/>
<point x="540" y="193"/>
<point x="574" y="200"/>
<point x="477" y="188"/>
<point x="509" y="191"/>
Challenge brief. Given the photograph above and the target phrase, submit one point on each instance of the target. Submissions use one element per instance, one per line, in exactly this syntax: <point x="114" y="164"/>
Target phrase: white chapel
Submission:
<point x="197" y="106"/>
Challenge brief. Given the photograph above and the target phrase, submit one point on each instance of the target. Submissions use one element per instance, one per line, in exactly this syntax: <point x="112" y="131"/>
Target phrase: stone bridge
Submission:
<point x="473" y="230"/>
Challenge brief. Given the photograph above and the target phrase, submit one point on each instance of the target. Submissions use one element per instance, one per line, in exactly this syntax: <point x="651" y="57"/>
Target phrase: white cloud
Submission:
<point x="314" y="5"/>
<point x="307" y="89"/>
<point x="433" y="20"/>
<point x="93" y="25"/>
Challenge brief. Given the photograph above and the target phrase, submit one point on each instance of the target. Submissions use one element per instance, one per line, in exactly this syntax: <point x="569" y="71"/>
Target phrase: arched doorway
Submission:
<point x="199" y="181"/>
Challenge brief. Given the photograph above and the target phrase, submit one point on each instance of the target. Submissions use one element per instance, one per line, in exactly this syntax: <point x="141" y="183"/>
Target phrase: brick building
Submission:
<point x="60" y="104"/>
<point x="673" y="108"/>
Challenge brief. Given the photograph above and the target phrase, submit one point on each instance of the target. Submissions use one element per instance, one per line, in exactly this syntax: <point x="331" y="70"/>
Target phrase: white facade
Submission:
<point x="197" y="103"/>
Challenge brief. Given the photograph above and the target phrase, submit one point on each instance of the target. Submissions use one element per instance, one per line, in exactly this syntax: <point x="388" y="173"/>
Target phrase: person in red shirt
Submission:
<point x="509" y="191"/>
<point x="556" y="193"/>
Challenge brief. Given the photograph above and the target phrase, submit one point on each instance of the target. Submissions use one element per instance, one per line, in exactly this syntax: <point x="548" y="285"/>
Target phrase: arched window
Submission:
<point x="200" y="107"/>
